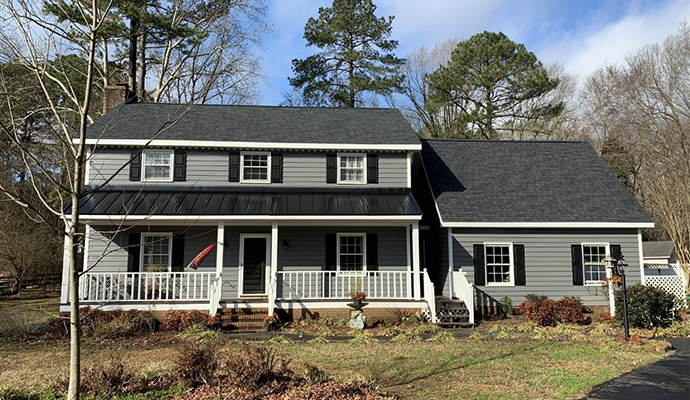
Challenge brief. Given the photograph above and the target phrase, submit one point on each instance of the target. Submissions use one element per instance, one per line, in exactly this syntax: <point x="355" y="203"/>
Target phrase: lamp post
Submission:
<point x="621" y="269"/>
<point x="610" y="267"/>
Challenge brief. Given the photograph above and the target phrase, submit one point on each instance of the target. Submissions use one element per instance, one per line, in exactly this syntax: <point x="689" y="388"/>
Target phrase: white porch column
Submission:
<point x="273" y="279"/>
<point x="415" y="262"/>
<point x="220" y="248"/>
<point x="409" y="260"/>
<point x="64" y="288"/>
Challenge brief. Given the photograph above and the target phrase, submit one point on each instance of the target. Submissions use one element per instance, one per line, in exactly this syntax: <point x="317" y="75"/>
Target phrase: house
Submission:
<point x="303" y="206"/>
<point x="512" y="218"/>
<point x="659" y="253"/>
<point x="298" y="207"/>
<point x="662" y="269"/>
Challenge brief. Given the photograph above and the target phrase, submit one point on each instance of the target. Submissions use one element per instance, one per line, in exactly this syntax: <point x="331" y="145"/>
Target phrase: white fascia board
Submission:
<point x="612" y="225"/>
<point x="252" y="145"/>
<point x="219" y="218"/>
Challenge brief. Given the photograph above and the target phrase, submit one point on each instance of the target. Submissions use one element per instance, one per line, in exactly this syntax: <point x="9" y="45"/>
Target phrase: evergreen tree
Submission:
<point x="356" y="56"/>
<point x="494" y="87"/>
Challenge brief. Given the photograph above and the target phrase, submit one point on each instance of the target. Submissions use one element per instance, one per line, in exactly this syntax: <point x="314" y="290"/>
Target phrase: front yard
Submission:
<point x="490" y="366"/>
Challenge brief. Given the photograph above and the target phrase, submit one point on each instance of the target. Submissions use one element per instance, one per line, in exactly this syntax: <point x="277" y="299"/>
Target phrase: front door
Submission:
<point x="253" y="259"/>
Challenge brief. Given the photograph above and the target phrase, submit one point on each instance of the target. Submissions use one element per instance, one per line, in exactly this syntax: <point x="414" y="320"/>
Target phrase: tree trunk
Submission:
<point x="132" y="59"/>
<point x="72" y="224"/>
<point x="106" y="67"/>
<point x="141" y="68"/>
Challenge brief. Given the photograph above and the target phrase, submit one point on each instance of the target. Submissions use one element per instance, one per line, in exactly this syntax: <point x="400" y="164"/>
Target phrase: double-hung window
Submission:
<point x="351" y="252"/>
<point x="499" y="264"/>
<point x="156" y="251"/>
<point x="594" y="264"/>
<point x="352" y="168"/>
<point x="255" y="167"/>
<point x="157" y="165"/>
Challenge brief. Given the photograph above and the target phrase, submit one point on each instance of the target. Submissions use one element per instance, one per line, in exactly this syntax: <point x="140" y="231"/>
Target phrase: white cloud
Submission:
<point x="583" y="51"/>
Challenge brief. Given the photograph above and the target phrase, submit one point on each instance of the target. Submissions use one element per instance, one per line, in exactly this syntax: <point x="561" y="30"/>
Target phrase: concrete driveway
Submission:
<point x="665" y="379"/>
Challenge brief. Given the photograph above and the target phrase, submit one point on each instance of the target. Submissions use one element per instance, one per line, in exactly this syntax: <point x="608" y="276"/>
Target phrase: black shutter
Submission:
<point x="276" y="167"/>
<point x="180" y="166"/>
<point x="177" y="262"/>
<point x="372" y="168"/>
<point x="519" y="263"/>
<point x="578" y="272"/>
<point x="135" y="166"/>
<point x="234" y="167"/>
<point x="133" y="251"/>
<point x="331" y="168"/>
<point x="372" y="252"/>
<point x="479" y="266"/>
<point x="616" y="251"/>
<point x="331" y="251"/>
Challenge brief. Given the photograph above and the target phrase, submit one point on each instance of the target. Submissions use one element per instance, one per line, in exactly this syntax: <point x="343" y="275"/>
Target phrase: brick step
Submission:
<point x="243" y="326"/>
<point x="243" y="318"/>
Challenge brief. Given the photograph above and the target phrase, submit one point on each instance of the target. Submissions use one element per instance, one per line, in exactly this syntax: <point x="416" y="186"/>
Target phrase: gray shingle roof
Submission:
<point x="250" y="201"/>
<point x="515" y="181"/>
<point x="658" y="249"/>
<point x="255" y="124"/>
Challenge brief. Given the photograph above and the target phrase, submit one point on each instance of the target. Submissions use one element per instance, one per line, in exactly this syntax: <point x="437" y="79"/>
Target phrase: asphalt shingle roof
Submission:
<point x="254" y="124"/>
<point x="521" y="181"/>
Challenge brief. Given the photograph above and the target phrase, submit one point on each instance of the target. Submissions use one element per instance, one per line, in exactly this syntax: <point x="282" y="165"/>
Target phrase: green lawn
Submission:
<point x="510" y="368"/>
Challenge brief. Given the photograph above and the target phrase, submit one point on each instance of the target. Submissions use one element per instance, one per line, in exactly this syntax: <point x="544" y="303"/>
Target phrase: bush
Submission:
<point x="179" y="320"/>
<point x="108" y="324"/>
<point x="507" y="305"/>
<point x="197" y="362"/>
<point x="548" y="312"/>
<point x="648" y="306"/>
<point x="534" y="297"/>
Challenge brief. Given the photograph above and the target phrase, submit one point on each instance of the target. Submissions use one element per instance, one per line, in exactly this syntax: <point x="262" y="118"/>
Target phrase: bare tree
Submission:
<point x="644" y="105"/>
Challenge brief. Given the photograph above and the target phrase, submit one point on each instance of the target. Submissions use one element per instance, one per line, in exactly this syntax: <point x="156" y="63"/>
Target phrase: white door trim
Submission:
<point x="240" y="275"/>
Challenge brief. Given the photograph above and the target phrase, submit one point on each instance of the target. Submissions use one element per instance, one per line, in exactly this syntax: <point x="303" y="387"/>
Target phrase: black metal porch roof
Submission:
<point x="219" y="201"/>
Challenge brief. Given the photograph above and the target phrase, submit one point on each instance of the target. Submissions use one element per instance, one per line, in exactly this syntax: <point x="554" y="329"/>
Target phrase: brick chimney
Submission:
<point x="114" y="94"/>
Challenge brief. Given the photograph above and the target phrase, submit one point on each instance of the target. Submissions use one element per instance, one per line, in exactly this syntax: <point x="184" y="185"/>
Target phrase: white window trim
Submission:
<point x="268" y="167"/>
<point x="364" y="254"/>
<point x="512" y="265"/>
<point x="143" y="165"/>
<point x="364" y="166"/>
<point x="141" y="248"/>
<point x="585" y="282"/>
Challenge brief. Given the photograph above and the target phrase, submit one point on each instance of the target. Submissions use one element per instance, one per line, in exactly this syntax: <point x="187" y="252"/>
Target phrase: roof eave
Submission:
<point x="583" y="225"/>
<point x="258" y="145"/>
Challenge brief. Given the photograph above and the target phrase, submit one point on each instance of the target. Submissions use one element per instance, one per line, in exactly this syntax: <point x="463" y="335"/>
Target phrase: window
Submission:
<point x="352" y="168"/>
<point x="594" y="265"/>
<point x="157" y="165"/>
<point x="255" y="167"/>
<point x="156" y="251"/>
<point x="351" y="251"/>
<point x="499" y="264"/>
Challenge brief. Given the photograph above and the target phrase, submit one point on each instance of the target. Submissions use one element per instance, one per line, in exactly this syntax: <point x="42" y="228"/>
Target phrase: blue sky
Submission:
<point x="581" y="35"/>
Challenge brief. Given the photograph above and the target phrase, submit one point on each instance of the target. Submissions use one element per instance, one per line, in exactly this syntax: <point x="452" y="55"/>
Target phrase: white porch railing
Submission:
<point x="311" y="285"/>
<point x="147" y="286"/>
<point x="429" y="295"/>
<point x="464" y="290"/>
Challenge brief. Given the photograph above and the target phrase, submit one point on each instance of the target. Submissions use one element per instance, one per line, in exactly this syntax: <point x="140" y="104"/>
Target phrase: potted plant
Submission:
<point x="357" y="299"/>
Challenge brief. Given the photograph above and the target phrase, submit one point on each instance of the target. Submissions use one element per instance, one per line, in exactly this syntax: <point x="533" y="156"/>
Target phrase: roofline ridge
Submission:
<point x="499" y="140"/>
<point x="261" y="106"/>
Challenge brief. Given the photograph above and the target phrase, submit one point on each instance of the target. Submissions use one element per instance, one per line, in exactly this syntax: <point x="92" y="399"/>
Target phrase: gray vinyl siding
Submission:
<point x="210" y="168"/>
<point x="107" y="251"/>
<point x="548" y="265"/>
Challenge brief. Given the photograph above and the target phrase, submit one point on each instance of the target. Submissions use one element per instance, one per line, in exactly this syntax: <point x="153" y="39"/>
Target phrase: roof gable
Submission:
<point x="525" y="182"/>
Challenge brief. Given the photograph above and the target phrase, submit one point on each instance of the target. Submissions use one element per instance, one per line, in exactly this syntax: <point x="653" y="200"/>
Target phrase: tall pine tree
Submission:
<point x="356" y="56"/>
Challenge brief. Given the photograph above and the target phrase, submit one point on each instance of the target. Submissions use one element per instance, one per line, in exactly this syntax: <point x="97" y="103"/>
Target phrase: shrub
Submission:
<point x="107" y="324"/>
<point x="677" y="329"/>
<point x="179" y="320"/>
<point x="197" y="362"/>
<point x="540" y="312"/>
<point x="648" y="306"/>
<point x="507" y="305"/>
<point x="534" y="297"/>
<point x="548" y="312"/>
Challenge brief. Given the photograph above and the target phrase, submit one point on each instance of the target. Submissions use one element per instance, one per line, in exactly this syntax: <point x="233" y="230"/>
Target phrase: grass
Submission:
<point x="445" y="368"/>
<point x="20" y="315"/>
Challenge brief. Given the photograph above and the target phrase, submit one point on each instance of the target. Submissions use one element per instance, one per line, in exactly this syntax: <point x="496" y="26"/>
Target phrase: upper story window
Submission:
<point x="157" y="165"/>
<point x="499" y="264"/>
<point x="352" y="168"/>
<point x="255" y="167"/>
<point x="594" y="265"/>
<point x="156" y="251"/>
<point x="351" y="251"/>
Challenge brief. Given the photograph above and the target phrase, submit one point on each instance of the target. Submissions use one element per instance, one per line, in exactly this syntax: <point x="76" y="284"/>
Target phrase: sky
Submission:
<point x="581" y="35"/>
